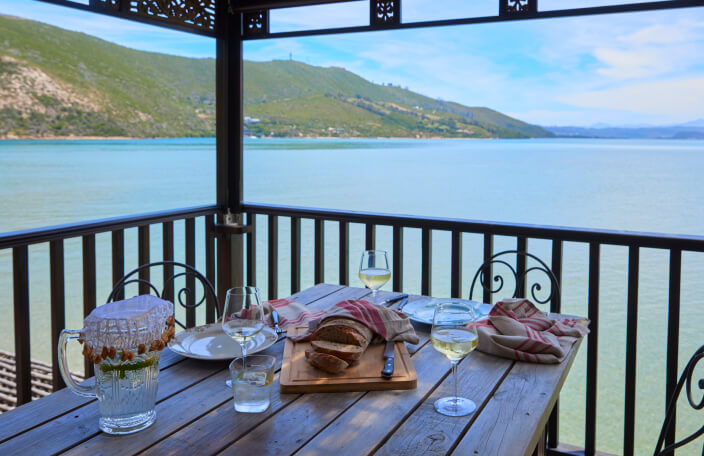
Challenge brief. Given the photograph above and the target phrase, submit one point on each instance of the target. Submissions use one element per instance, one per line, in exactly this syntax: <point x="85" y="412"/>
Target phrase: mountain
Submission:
<point x="294" y="99"/>
<point x="690" y="130"/>
<point x="55" y="82"/>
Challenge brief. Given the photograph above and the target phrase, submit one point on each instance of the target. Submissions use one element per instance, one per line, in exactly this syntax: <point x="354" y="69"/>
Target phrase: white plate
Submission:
<point x="422" y="310"/>
<point x="210" y="342"/>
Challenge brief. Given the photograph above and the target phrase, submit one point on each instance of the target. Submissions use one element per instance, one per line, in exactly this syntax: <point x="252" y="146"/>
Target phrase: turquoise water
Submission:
<point x="616" y="184"/>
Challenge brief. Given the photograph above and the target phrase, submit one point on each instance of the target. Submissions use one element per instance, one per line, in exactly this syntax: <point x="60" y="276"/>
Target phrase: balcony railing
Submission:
<point x="634" y="242"/>
<point x="55" y="236"/>
<point x="370" y="223"/>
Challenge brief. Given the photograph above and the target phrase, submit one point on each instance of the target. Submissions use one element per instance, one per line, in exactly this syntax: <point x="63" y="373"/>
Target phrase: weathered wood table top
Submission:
<point x="195" y="413"/>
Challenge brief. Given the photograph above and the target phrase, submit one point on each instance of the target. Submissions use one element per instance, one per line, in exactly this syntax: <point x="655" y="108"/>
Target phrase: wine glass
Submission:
<point x="452" y="337"/>
<point x="242" y="317"/>
<point x="374" y="270"/>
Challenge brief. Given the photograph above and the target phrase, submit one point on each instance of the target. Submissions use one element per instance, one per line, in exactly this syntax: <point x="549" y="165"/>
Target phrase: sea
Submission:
<point x="635" y="185"/>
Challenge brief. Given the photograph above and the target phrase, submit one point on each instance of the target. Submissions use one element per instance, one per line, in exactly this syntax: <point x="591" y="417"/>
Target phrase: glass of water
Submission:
<point x="251" y="382"/>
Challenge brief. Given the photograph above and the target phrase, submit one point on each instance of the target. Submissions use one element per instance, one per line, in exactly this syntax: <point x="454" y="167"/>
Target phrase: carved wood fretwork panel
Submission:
<point x="518" y="7"/>
<point x="385" y="12"/>
<point x="106" y="4"/>
<point x="256" y="23"/>
<point x="195" y="13"/>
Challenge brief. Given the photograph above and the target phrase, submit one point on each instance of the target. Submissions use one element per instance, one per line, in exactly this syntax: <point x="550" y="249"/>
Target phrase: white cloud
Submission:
<point x="678" y="99"/>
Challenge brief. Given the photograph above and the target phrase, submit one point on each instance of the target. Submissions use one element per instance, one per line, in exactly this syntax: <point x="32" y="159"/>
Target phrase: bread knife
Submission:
<point x="388" y="370"/>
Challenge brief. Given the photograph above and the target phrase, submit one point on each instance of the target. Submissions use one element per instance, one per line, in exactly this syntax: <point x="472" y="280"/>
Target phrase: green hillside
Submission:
<point x="54" y="82"/>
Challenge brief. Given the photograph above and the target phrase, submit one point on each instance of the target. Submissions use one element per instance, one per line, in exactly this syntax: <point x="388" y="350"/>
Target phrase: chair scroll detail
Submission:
<point x="181" y="296"/>
<point x="685" y="379"/>
<point x="485" y="271"/>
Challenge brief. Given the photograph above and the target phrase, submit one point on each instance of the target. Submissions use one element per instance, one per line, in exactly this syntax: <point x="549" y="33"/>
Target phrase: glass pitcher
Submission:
<point x="124" y="340"/>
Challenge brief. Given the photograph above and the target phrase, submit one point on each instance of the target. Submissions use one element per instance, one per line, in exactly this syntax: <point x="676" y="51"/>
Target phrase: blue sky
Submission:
<point x="625" y="69"/>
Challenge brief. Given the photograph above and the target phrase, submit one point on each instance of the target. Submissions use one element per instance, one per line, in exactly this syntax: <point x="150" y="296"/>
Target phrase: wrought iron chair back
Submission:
<point x="182" y="295"/>
<point x="685" y="379"/>
<point x="485" y="271"/>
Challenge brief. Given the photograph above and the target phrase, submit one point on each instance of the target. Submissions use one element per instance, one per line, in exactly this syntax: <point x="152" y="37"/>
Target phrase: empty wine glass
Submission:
<point x="374" y="270"/>
<point x="452" y="337"/>
<point x="243" y="316"/>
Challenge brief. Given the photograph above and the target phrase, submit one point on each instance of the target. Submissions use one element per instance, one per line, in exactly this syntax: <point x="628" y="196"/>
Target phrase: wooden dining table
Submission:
<point x="195" y="413"/>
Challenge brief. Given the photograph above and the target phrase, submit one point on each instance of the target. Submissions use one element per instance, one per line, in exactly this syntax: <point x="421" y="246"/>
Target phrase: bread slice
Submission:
<point x="346" y="352"/>
<point x="343" y="331"/>
<point x="329" y="363"/>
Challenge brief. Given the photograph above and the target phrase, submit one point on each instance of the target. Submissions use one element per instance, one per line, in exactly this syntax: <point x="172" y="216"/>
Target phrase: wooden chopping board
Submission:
<point x="297" y="376"/>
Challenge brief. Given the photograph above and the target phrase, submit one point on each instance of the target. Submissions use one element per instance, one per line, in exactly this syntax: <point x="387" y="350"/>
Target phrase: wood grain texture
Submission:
<point x="199" y="437"/>
<point x="82" y="423"/>
<point x="367" y="424"/>
<point x="516" y="414"/>
<point x="172" y="414"/>
<point x="426" y="431"/>
<point x="59" y="403"/>
<point x="286" y="431"/>
<point x="196" y="416"/>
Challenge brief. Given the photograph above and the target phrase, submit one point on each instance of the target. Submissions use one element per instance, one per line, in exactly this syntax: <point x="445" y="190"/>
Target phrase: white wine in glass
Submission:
<point x="374" y="270"/>
<point x="242" y="317"/>
<point x="452" y="337"/>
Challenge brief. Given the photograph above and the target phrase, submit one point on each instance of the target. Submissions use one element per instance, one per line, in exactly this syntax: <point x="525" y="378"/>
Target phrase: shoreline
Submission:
<point x="67" y="138"/>
<point x="126" y="138"/>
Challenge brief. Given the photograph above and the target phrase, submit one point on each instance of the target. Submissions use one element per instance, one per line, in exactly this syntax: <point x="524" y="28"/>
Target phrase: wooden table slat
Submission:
<point x="367" y="423"/>
<point x="54" y="405"/>
<point x="195" y="411"/>
<point x="82" y="423"/>
<point x="224" y="414"/>
<point x="429" y="433"/>
<point x="518" y="411"/>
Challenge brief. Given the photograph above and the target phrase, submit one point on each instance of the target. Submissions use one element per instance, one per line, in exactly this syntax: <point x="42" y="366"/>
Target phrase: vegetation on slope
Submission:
<point x="55" y="82"/>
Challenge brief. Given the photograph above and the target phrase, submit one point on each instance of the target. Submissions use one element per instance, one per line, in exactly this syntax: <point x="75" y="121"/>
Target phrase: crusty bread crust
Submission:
<point x="328" y="363"/>
<point x="344" y="331"/>
<point x="347" y="352"/>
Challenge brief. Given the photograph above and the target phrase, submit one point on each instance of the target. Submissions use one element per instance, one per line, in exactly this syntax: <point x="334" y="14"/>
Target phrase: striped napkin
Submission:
<point x="516" y="329"/>
<point x="386" y="324"/>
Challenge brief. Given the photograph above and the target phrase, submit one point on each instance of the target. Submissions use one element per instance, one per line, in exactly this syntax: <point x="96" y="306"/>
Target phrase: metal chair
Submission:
<point x="519" y="276"/>
<point x="172" y="271"/>
<point x="685" y="378"/>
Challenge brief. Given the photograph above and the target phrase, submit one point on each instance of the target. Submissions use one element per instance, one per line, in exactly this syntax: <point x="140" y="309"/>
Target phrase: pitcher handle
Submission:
<point x="66" y="335"/>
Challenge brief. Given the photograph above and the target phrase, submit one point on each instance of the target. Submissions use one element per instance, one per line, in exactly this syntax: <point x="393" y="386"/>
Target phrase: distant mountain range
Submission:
<point x="689" y="130"/>
<point x="55" y="82"/>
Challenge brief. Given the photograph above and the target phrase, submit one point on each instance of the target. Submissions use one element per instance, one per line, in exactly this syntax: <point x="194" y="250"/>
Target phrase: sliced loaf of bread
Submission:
<point x="347" y="352"/>
<point x="328" y="363"/>
<point x="343" y="331"/>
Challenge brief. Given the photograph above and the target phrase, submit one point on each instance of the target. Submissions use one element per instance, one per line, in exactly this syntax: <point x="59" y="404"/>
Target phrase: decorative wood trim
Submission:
<point x="518" y="7"/>
<point x="106" y="4"/>
<point x="190" y="16"/>
<point x="384" y="12"/>
<point x="255" y="23"/>
<point x="199" y="14"/>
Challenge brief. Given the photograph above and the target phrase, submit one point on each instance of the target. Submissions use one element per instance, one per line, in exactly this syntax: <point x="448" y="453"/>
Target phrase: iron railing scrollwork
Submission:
<point x="185" y="296"/>
<point x="484" y="275"/>
<point x="686" y="379"/>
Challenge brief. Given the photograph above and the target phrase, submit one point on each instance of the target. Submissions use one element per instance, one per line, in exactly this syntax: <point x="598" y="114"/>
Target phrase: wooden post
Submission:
<point x="229" y="130"/>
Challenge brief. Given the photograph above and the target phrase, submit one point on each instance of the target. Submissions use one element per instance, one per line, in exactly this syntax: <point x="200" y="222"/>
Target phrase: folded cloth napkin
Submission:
<point x="291" y="313"/>
<point x="516" y="329"/>
<point x="386" y="324"/>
